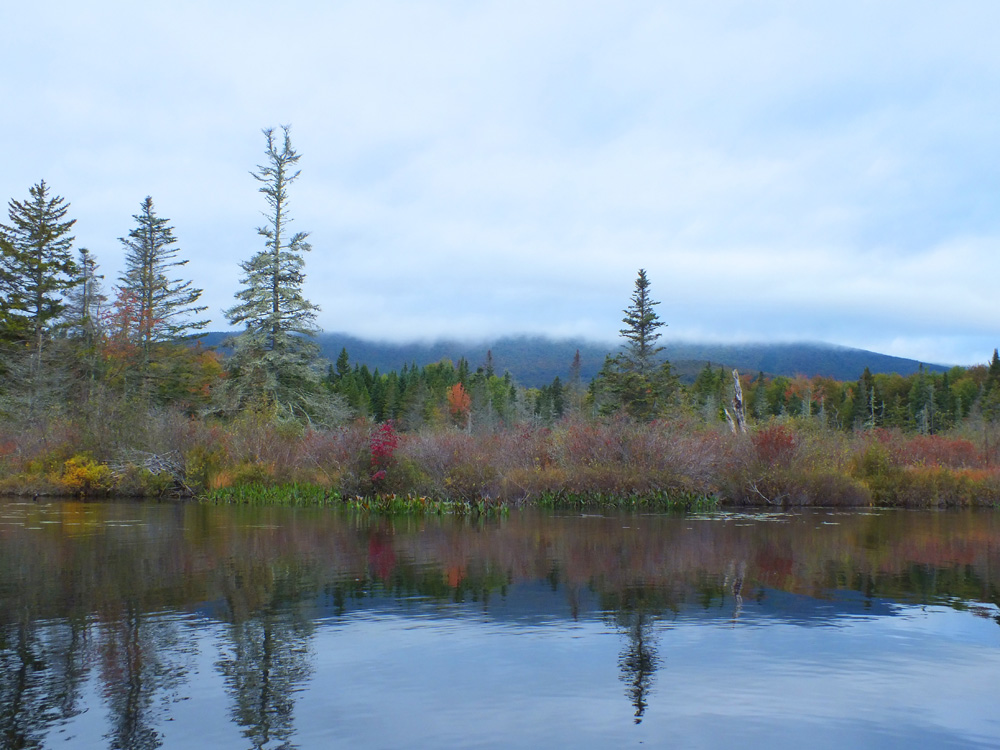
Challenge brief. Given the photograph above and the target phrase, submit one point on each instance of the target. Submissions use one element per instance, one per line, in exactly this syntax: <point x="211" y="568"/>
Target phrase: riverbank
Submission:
<point x="615" y="463"/>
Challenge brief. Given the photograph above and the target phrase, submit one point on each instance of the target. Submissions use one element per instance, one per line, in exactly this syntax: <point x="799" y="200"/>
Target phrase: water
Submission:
<point x="142" y="626"/>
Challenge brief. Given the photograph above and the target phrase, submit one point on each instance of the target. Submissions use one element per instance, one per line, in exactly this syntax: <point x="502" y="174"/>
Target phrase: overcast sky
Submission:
<point x="783" y="170"/>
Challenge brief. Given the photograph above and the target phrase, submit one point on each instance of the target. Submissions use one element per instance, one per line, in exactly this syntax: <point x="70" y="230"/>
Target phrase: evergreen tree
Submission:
<point x="989" y="399"/>
<point x="274" y="362"/>
<point x="343" y="363"/>
<point x="36" y="266"/>
<point x="36" y="271"/>
<point x="640" y="332"/>
<point x="86" y="301"/>
<point x="574" y="389"/>
<point x="921" y="403"/>
<point x="86" y="306"/>
<point x="635" y="380"/>
<point x="164" y="306"/>
<point x="271" y="305"/>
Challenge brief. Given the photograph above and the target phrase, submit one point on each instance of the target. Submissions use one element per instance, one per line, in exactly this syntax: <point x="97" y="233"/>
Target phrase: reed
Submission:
<point x="256" y="493"/>
<point x="689" y="502"/>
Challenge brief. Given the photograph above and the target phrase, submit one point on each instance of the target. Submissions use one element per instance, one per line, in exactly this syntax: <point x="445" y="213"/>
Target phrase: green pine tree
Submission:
<point x="36" y="266"/>
<point x="641" y="331"/>
<point x="164" y="306"/>
<point x="636" y="380"/>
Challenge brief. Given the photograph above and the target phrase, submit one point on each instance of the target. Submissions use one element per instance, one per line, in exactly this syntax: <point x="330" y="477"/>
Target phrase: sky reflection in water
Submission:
<point x="146" y="626"/>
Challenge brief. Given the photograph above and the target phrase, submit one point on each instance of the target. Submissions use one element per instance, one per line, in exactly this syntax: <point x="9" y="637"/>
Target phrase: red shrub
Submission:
<point x="774" y="444"/>
<point x="935" y="450"/>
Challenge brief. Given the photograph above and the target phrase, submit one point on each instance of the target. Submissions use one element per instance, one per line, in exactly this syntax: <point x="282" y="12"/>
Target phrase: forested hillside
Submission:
<point x="535" y="361"/>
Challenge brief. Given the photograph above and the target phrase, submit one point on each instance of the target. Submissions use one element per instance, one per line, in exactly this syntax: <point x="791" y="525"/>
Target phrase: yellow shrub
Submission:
<point x="81" y="474"/>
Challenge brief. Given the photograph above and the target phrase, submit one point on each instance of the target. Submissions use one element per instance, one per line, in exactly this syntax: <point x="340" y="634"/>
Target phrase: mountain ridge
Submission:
<point x="535" y="361"/>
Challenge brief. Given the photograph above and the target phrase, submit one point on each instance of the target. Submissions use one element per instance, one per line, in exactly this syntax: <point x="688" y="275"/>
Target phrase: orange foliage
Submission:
<point x="459" y="402"/>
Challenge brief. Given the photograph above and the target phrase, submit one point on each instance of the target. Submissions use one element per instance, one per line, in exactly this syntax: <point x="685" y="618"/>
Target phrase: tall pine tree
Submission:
<point x="636" y="380"/>
<point x="164" y="306"/>
<point x="275" y="361"/>
<point x="36" y="266"/>
<point x="36" y="271"/>
<point x="640" y="332"/>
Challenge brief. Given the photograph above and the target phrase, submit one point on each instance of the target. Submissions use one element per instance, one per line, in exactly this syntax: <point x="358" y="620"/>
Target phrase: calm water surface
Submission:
<point x="142" y="626"/>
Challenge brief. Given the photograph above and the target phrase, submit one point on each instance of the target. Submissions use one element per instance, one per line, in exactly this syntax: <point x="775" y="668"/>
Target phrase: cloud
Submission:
<point x="783" y="170"/>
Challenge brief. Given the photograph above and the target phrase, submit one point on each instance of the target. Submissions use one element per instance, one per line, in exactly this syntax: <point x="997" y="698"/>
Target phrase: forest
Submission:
<point x="107" y="389"/>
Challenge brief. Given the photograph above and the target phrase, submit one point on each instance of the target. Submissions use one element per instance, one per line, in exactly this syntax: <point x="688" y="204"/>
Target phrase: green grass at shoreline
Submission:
<point x="297" y="494"/>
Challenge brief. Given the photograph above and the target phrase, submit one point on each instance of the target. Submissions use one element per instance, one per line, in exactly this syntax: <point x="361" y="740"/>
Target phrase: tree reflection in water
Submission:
<point x="638" y="660"/>
<point x="41" y="669"/>
<point x="268" y="657"/>
<point x="143" y="663"/>
<point x="86" y="591"/>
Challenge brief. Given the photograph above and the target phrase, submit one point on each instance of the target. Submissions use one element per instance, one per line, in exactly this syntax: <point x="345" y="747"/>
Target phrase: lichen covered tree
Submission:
<point x="275" y="361"/>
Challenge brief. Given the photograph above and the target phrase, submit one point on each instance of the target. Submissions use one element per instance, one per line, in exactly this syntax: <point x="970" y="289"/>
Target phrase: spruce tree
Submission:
<point x="86" y="302"/>
<point x="271" y="305"/>
<point x="640" y="332"/>
<point x="275" y="362"/>
<point x="636" y="380"/>
<point x="36" y="266"/>
<point x="86" y="307"/>
<point x="36" y="271"/>
<point x="164" y="306"/>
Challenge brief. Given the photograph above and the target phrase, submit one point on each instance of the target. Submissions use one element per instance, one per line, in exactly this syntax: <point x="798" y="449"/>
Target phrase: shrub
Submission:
<point x="936" y="486"/>
<point x="936" y="450"/>
<point x="202" y="464"/>
<point x="822" y="488"/>
<point x="257" y="473"/>
<point x="82" y="475"/>
<point x="138" y="481"/>
<point x="774" y="445"/>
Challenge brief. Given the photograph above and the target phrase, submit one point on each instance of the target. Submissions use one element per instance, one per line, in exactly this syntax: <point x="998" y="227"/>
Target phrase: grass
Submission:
<point x="662" y="501"/>
<point x="418" y="505"/>
<point x="256" y="493"/>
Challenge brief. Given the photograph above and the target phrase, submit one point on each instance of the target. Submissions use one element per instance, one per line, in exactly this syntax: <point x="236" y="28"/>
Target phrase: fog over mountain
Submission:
<point x="535" y="360"/>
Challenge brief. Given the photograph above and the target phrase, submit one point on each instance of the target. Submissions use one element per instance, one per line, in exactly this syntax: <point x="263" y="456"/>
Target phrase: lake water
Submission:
<point x="145" y="625"/>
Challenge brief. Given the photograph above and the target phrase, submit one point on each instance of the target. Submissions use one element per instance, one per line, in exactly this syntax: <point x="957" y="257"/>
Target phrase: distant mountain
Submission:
<point x="535" y="361"/>
<point x="827" y="360"/>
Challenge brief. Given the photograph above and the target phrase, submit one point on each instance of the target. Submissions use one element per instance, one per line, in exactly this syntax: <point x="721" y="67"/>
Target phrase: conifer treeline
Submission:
<point x="93" y="380"/>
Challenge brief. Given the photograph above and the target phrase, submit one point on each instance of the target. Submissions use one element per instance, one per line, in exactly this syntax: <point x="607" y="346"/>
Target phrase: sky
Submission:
<point x="784" y="171"/>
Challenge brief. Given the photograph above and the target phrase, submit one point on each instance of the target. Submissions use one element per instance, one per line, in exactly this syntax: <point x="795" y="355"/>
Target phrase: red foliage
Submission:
<point x="935" y="450"/>
<point x="382" y="445"/>
<point x="383" y="442"/>
<point x="774" y="444"/>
